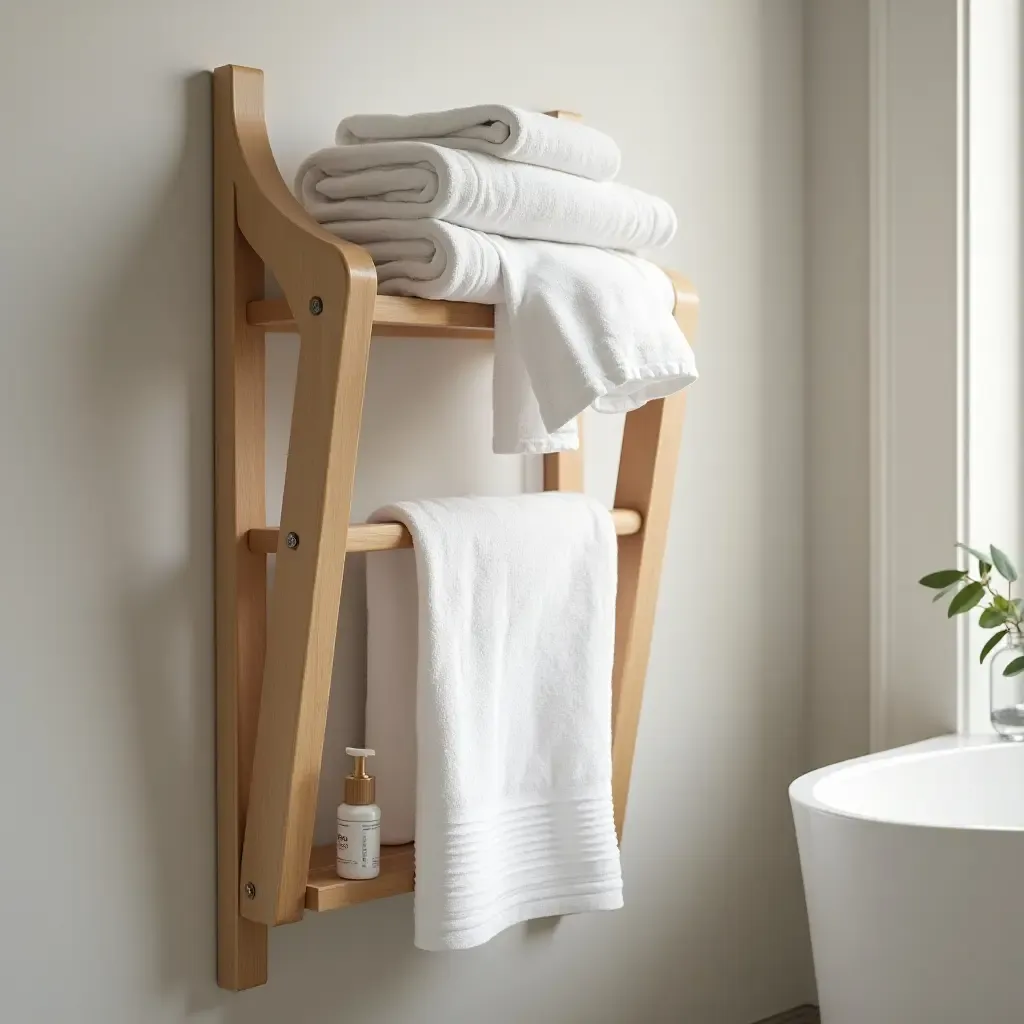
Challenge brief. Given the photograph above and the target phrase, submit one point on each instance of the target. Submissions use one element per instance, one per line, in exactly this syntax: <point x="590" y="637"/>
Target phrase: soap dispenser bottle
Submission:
<point x="358" y="849"/>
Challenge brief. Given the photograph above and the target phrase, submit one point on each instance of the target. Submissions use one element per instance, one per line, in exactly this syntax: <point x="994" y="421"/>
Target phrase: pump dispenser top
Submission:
<point x="360" y="788"/>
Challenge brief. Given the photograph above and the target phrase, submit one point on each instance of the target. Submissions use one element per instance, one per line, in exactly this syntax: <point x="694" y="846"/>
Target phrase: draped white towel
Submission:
<point x="506" y="132"/>
<point x="574" y="326"/>
<point x="398" y="180"/>
<point x="513" y="793"/>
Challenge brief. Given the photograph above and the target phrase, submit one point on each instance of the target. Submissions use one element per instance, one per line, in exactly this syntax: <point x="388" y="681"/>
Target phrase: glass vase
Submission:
<point x="1006" y="694"/>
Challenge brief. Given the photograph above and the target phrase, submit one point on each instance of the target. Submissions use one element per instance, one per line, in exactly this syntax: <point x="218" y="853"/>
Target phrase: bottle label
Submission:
<point x="359" y="844"/>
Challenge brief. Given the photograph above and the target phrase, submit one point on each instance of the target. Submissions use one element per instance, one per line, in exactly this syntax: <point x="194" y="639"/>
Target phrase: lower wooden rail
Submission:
<point x="388" y="536"/>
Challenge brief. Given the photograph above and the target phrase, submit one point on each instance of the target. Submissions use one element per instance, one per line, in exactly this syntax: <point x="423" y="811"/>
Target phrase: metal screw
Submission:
<point x="316" y="305"/>
<point x="292" y="540"/>
<point x="250" y="890"/>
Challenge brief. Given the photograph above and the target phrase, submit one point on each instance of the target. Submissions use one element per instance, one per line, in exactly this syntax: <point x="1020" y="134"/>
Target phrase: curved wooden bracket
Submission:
<point x="331" y="285"/>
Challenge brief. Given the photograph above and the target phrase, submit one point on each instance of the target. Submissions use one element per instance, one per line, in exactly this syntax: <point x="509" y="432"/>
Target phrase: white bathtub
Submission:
<point x="913" y="864"/>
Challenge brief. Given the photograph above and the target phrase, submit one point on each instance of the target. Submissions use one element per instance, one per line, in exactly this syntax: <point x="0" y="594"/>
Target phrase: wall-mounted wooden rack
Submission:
<point x="274" y="660"/>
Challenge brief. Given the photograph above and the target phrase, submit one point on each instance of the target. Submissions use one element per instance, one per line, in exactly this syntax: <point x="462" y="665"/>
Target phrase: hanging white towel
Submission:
<point x="507" y="132"/>
<point x="514" y="812"/>
<point x="399" y="180"/>
<point x="574" y="326"/>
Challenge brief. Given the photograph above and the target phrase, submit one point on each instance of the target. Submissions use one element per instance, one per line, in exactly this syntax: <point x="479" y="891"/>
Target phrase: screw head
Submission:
<point x="316" y="305"/>
<point x="292" y="540"/>
<point x="250" y="890"/>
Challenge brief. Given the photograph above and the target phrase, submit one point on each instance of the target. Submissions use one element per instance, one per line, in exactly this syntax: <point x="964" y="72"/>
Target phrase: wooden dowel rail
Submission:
<point x="388" y="536"/>
<point x="394" y="316"/>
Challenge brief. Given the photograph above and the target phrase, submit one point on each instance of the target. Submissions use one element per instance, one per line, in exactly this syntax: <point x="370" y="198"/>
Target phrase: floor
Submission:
<point x="799" y="1015"/>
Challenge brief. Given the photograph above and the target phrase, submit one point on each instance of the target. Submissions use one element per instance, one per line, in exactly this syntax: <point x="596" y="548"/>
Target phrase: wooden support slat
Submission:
<point x="563" y="471"/>
<point x="395" y="316"/>
<point x="241" y="576"/>
<point x="326" y="891"/>
<point x="647" y="465"/>
<point x="331" y="285"/>
<point x="388" y="536"/>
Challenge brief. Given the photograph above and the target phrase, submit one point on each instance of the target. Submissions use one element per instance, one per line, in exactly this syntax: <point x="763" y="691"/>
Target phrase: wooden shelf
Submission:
<point x="388" y="536"/>
<point x="394" y="316"/>
<point x="326" y="891"/>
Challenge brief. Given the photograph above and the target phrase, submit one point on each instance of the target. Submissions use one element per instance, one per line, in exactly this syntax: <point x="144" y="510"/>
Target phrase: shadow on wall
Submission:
<point x="150" y="367"/>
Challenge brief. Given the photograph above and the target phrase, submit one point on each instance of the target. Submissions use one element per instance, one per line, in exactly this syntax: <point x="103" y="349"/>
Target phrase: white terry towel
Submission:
<point x="398" y="180"/>
<point x="506" y="132"/>
<point x="574" y="326"/>
<point x="513" y="814"/>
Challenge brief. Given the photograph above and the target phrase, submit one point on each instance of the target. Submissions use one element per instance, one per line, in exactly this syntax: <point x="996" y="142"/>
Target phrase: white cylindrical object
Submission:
<point x="358" y="845"/>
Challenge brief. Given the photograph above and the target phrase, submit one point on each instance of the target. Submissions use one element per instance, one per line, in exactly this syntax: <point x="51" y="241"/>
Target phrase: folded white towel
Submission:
<point x="398" y="180"/>
<point x="507" y="132"/>
<point x="574" y="326"/>
<point x="513" y="712"/>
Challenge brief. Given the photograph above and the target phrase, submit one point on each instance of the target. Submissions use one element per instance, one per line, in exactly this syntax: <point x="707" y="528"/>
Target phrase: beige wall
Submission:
<point x="836" y="309"/>
<point x="106" y="725"/>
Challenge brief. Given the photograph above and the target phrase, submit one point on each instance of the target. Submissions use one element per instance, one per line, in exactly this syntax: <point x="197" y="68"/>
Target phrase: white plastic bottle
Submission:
<point x="358" y="848"/>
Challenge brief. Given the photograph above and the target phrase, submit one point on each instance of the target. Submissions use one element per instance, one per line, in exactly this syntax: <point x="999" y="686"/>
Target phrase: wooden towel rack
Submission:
<point x="274" y="661"/>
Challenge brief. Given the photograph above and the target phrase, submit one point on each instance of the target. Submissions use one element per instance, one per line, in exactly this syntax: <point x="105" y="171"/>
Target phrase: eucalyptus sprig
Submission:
<point x="1005" y="613"/>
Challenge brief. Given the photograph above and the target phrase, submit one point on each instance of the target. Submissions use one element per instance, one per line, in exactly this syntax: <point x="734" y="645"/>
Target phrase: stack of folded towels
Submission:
<point x="498" y="205"/>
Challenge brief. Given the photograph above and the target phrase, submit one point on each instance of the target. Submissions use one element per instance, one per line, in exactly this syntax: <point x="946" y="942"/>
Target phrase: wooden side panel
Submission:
<point x="330" y="286"/>
<point x="647" y="468"/>
<point x="240" y="574"/>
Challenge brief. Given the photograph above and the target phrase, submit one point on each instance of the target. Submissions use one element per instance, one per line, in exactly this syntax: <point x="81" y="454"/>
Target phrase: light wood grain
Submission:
<point x="388" y="536"/>
<point x="563" y="471"/>
<point x="326" y="891"/>
<point x="309" y="264"/>
<point x="647" y="468"/>
<point x="395" y="316"/>
<point x="241" y="577"/>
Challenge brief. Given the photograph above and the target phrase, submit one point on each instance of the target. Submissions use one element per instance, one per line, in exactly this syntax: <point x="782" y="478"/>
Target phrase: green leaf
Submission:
<point x="1017" y="606"/>
<point x="991" y="617"/>
<point x="973" y="551"/>
<point x="990" y="643"/>
<point x="966" y="599"/>
<point x="945" y="591"/>
<point x="1001" y="603"/>
<point x="984" y="568"/>
<point x="941" y="579"/>
<point x="1015" y="667"/>
<point x="1003" y="565"/>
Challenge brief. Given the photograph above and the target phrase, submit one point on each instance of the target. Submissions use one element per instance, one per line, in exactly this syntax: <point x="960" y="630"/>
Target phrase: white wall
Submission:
<point x="995" y="468"/>
<point x="884" y="367"/>
<point x="106" y="647"/>
<point x="836" y="307"/>
<point x="918" y="368"/>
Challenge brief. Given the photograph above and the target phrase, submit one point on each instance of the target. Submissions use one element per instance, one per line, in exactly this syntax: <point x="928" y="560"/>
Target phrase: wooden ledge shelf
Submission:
<point x="394" y="316"/>
<point x="326" y="891"/>
<point x="388" y="536"/>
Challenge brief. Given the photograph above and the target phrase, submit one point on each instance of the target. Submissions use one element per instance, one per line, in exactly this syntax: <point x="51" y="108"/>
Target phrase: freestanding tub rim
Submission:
<point x="804" y="789"/>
